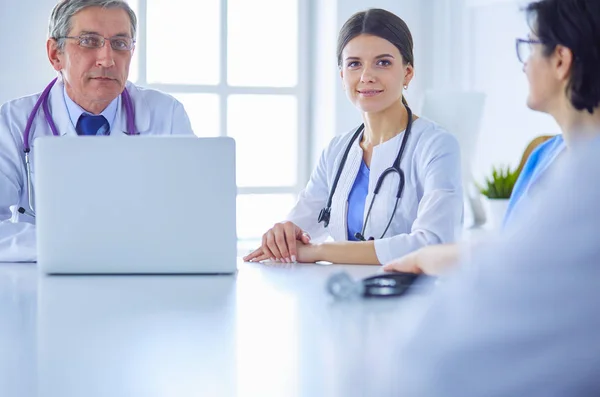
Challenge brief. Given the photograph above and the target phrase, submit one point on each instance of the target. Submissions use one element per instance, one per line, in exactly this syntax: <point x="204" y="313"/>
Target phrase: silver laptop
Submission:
<point x="136" y="205"/>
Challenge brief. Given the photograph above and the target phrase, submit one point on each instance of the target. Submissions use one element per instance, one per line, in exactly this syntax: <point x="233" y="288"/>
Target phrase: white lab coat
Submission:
<point x="430" y="210"/>
<point x="156" y="113"/>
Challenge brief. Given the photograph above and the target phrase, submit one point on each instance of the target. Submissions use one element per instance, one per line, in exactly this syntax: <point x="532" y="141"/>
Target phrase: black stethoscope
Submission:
<point x="342" y="286"/>
<point x="325" y="214"/>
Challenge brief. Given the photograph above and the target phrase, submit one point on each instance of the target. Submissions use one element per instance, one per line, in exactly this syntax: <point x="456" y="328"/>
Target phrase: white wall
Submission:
<point x="25" y="68"/>
<point x="490" y="58"/>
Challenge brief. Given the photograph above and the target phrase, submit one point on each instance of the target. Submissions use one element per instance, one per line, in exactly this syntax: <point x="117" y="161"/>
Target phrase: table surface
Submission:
<point x="269" y="330"/>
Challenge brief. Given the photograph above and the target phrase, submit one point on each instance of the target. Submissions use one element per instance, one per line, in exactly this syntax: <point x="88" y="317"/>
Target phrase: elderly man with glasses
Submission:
<point x="90" y="45"/>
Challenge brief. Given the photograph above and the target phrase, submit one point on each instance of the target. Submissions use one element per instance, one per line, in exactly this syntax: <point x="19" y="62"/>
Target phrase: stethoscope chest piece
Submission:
<point x="325" y="216"/>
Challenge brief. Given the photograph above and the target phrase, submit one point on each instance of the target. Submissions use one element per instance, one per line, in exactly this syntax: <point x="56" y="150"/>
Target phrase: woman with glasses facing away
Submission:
<point x="521" y="317"/>
<point x="390" y="185"/>
<point x="561" y="59"/>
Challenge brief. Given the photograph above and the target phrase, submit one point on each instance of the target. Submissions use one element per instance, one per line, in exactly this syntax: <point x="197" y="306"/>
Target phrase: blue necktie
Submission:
<point x="92" y="125"/>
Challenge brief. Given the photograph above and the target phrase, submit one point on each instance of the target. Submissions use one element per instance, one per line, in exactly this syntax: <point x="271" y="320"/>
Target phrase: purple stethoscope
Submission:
<point x="43" y="102"/>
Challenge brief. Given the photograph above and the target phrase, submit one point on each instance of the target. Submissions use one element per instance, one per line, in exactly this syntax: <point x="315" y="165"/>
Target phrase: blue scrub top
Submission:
<point x="537" y="163"/>
<point x="356" y="201"/>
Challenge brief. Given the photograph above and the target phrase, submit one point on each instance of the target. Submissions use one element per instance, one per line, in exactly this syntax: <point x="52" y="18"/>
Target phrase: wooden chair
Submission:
<point x="537" y="141"/>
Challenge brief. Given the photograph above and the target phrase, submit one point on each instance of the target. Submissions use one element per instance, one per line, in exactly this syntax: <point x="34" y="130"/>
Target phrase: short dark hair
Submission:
<point x="380" y="23"/>
<point x="574" y="24"/>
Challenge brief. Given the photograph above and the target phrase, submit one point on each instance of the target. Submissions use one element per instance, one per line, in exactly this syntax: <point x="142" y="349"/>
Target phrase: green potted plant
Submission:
<point x="497" y="189"/>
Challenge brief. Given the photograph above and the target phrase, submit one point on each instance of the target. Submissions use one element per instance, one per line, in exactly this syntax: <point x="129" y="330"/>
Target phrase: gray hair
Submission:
<point x="60" y="19"/>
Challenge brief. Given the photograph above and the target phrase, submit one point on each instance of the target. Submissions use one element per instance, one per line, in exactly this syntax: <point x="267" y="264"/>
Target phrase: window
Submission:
<point x="239" y="71"/>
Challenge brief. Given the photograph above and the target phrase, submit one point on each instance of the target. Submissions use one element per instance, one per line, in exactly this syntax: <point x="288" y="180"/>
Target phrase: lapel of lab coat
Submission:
<point x="58" y="109"/>
<point x="141" y="110"/>
<point x="61" y="118"/>
<point x="383" y="158"/>
<point x="339" y="205"/>
<point x="58" y="113"/>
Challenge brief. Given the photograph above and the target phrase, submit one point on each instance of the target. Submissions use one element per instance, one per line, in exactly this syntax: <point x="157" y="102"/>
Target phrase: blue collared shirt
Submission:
<point x="537" y="164"/>
<point x="356" y="201"/>
<point x="75" y="111"/>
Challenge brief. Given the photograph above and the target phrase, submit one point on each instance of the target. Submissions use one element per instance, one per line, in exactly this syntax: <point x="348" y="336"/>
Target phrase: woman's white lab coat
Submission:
<point x="430" y="210"/>
<point x="156" y="113"/>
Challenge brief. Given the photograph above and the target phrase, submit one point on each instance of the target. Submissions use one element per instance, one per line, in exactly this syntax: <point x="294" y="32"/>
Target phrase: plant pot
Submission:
<point x="495" y="209"/>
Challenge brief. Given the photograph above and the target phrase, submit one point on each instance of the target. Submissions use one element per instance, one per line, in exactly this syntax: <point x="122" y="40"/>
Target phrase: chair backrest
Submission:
<point x="537" y="141"/>
<point x="460" y="113"/>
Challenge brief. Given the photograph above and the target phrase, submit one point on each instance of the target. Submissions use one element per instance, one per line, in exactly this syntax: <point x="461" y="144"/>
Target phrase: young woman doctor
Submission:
<point x="386" y="188"/>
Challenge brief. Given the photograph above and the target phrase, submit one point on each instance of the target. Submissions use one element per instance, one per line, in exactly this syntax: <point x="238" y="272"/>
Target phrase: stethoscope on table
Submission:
<point x="325" y="214"/>
<point x="43" y="102"/>
<point x="342" y="286"/>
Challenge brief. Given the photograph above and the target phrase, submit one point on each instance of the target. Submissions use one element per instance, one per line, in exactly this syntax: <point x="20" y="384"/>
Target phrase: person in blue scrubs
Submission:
<point x="561" y="59"/>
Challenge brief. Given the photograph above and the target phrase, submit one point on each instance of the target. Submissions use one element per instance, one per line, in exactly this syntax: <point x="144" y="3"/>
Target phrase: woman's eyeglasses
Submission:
<point x="524" y="48"/>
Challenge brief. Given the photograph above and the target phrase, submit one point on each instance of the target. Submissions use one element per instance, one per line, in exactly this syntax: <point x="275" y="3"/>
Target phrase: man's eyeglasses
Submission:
<point x="117" y="43"/>
<point x="524" y="48"/>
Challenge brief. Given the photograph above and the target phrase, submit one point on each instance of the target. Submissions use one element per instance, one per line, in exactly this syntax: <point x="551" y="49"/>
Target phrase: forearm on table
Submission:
<point x="347" y="252"/>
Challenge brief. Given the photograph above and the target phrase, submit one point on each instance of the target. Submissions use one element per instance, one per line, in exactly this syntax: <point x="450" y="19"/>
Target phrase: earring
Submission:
<point x="405" y="87"/>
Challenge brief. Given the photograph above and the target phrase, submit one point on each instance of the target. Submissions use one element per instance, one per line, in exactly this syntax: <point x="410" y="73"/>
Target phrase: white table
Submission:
<point x="267" y="331"/>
